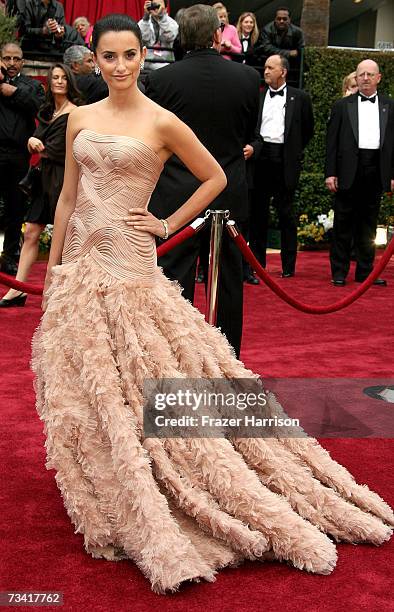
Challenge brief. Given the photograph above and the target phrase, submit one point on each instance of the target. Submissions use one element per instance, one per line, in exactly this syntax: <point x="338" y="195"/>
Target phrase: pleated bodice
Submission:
<point x="117" y="173"/>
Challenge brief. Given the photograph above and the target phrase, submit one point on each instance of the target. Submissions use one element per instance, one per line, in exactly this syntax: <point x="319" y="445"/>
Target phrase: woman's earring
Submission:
<point x="142" y="65"/>
<point x="97" y="70"/>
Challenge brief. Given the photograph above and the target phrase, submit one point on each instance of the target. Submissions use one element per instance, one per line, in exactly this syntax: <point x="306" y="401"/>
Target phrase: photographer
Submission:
<point x="43" y="19"/>
<point x="158" y="30"/>
<point x="20" y="99"/>
<point x="44" y="28"/>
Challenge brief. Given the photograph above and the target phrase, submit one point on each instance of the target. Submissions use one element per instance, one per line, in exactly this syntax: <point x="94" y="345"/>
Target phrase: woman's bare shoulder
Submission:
<point x="162" y="117"/>
<point x="80" y="116"/>
<point x="87" y="109"/>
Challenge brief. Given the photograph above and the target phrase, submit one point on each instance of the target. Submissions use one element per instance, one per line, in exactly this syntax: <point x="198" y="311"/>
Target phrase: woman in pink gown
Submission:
<point x="181" y="509"/>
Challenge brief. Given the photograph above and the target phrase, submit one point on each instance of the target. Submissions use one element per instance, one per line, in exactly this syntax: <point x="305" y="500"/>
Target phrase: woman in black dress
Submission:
<point x="49" y="141"/>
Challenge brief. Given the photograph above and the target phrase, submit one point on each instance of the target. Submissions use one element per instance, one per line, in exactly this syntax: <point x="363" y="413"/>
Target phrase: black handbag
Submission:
<point x="31" y="181"/>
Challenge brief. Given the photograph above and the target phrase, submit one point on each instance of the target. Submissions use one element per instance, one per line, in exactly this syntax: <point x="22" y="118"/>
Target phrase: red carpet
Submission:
<point x="41" y="553"/>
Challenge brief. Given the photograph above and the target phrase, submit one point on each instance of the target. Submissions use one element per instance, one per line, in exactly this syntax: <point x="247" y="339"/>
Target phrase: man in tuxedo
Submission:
<point x="284" y="128"/>
<point x="219" y="100"/>
<point x="359" y="167"/>
<point x="20" y="98"/>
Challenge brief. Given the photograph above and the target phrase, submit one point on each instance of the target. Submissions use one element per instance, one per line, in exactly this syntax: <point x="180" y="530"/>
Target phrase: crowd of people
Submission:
<point x="42" y="27"/>
<point x="259" y="139"/>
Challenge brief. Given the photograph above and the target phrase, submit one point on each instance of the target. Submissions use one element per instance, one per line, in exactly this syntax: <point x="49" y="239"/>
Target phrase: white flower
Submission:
<point x="327" y="221"/>
<point x="49" y="229"/>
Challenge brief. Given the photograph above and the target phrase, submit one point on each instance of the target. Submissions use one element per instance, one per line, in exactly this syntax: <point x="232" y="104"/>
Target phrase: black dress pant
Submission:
<point x="270" y="185"/>
<point x="180" y="265"/>
<point x="355" y="219"/>
<point x="13" y="167"/>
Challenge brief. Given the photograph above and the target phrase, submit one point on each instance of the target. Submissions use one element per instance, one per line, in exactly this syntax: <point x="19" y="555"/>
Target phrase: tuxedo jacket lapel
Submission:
<point x="352" y="109"/>
<point x="383" y="119"/>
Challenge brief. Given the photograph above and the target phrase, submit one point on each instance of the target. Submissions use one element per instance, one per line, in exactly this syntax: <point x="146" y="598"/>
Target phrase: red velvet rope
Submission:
<point x="10" y="281"/>
<point x="175" y="240"/>
<point x="188" y="231"/>
<point x="276" y="288"/>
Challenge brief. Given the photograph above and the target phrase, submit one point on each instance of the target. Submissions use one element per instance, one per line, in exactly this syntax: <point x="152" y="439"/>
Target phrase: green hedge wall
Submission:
<point x="7" y="29"/>
<point x="324" y="70"/>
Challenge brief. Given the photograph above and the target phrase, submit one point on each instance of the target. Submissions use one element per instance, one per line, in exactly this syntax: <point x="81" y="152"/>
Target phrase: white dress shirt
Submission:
<point x="245" y="43"/>
<point x="368" y="124"/>
<point x="273" y="120"/>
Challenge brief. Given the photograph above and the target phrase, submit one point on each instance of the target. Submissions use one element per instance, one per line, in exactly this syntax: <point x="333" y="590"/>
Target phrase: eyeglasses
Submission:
<point x="8" y="58"/>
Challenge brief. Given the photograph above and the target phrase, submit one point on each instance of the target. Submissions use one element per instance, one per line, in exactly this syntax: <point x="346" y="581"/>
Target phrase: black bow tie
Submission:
<point x="281" y="92"/>
<point x="365" y="99"/>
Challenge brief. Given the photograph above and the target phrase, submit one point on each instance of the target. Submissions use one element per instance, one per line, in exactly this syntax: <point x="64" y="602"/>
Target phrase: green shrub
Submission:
<point x="7" y="29"/>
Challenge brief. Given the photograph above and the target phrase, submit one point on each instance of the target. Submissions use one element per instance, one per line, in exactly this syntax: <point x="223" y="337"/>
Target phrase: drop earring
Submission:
<point x="97" y="70"/>
<point x="142" y="65"/>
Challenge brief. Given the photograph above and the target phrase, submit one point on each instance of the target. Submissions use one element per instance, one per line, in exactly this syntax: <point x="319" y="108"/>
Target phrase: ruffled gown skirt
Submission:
<point x="180" y="508"/>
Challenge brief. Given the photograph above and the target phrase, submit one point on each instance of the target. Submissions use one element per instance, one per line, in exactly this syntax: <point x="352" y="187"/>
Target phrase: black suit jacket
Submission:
<point x="18" y="112"/>
<point x="342" y="141"/>
<point x="218" y="100"/>
<point x="92" y="87"/>
<point x="299" y="125"/>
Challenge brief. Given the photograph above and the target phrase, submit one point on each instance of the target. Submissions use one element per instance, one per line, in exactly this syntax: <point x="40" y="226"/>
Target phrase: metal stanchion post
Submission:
<point x="218" y="217"/>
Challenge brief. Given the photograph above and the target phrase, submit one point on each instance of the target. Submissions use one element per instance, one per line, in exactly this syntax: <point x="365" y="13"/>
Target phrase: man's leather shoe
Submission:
<point x="251" y="279"/>
<point x="338" y="282"/>
<point x="379" y="281"/>
<point x="287" y="274"/>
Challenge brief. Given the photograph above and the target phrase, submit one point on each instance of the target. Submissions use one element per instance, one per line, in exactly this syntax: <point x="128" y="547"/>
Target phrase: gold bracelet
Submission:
<point x="165" y="225"/>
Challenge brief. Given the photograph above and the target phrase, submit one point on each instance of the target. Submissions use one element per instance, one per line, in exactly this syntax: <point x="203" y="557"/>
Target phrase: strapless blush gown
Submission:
<point x="179" y="508"/>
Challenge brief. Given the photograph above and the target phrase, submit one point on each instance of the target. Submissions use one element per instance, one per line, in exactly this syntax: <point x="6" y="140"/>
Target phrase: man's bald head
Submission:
<point x="368" y="77"/>
<point x="369" y="65"/>
<point x="275" y="71"/>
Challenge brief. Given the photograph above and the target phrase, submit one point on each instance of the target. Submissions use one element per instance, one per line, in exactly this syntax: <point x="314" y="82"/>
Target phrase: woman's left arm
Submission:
<point x="180" y="140"/>
<point x="236" y="46"/>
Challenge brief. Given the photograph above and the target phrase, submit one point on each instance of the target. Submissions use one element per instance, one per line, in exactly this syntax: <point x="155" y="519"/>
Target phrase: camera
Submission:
<point x="153" y="6"/>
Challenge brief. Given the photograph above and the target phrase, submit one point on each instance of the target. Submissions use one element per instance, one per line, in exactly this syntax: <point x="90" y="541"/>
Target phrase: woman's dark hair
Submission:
<point x="115" y="22"/>
<point x="73" y="93"/>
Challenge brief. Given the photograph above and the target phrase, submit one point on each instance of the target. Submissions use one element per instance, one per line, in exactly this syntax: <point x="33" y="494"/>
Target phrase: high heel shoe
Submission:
<point x="19" y="300"/>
